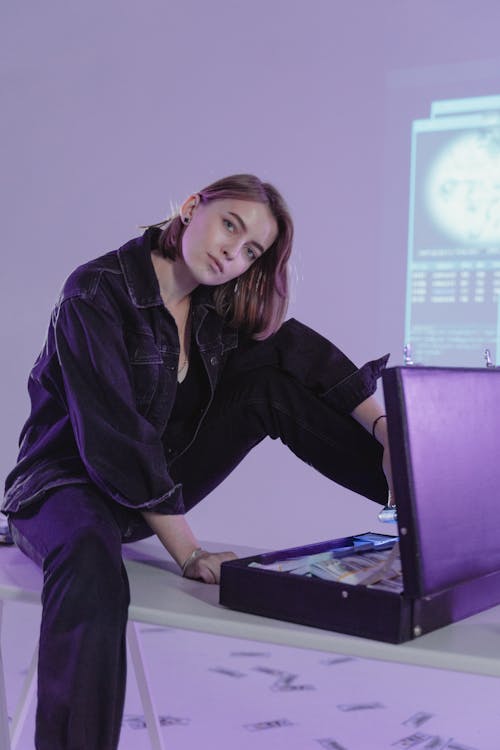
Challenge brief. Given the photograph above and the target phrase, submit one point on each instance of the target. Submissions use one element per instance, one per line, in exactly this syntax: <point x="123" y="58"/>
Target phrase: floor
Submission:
<point x="225" y="693"/>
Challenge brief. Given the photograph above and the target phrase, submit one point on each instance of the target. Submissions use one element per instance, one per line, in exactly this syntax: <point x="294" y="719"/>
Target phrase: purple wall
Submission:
<point x="112" y="110"/>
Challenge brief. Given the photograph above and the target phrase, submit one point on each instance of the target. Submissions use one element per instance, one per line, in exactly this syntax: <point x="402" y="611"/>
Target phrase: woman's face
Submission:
<point x="224" y="237"/>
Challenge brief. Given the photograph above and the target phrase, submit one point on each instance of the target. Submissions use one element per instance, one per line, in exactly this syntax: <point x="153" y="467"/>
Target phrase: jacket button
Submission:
<point x="213" y="361"/>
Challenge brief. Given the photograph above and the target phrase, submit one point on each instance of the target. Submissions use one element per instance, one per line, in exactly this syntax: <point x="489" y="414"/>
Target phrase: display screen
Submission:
<point x="453" y="284"/>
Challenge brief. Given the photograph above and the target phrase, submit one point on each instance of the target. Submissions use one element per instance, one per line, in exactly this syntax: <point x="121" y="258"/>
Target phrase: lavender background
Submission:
<point x="111" y="110"/>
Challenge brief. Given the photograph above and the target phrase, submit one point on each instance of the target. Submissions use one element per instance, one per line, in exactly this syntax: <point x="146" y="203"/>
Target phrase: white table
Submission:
<point x="160" y="596"/>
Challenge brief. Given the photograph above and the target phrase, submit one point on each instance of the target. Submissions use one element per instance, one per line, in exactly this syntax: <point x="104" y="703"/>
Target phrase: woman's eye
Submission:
<point x="229" y="225"/>
<point x="251" y="253"/>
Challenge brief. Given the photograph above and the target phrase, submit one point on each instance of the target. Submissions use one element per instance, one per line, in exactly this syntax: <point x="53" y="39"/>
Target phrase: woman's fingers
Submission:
<point x="207" y="573"/>
<point x="206" y="567"/>
<point x="386" y="465"/>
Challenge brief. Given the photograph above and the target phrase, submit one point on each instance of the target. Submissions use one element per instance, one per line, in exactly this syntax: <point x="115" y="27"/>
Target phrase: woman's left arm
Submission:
<point x="367" y="413"/>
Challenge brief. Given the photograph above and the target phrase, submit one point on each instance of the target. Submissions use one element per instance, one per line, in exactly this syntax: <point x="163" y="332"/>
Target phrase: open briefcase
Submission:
<point x="444" y="433"/>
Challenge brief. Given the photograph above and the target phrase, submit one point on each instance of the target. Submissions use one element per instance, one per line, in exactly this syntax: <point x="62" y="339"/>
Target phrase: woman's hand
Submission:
<point x="179" y="540"/>
<point x="205" y="566"/>
<point x="386" y="465"/>
<point x="381" y="435"/>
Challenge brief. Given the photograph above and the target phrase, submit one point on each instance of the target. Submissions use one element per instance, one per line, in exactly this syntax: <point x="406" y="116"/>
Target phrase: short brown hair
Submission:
<point x="255" y="302"/>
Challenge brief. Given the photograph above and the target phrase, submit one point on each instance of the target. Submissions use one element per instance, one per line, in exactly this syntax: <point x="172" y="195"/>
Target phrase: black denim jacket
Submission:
<point x="104" y="384"/>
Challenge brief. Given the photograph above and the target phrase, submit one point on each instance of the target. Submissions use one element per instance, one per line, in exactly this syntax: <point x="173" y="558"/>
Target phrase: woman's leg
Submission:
<point x="269" y="402"/>
<point x="76" y="540"/>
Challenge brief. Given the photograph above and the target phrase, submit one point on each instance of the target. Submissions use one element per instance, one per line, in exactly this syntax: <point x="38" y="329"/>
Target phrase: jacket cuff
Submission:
<point x="355" y="388"/>
<point x="171" y="504"/>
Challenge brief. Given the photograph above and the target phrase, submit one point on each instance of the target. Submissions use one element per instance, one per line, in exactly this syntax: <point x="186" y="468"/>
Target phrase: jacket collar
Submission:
<point x="140" y="277"/>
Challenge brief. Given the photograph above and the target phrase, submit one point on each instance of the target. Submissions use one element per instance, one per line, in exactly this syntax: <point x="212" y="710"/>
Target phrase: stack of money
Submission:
<point x="375" y="569"/>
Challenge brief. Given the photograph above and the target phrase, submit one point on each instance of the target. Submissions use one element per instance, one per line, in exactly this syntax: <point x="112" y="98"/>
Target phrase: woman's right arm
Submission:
<point x="178" y="539"/>
<point x="121" y="450"/>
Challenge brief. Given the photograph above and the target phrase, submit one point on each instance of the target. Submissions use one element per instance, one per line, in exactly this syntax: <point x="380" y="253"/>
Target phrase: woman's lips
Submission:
<point x="216" y="263"/>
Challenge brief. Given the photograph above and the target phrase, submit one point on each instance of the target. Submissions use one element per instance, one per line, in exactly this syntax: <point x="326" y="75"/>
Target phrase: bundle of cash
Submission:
<point x="360" y="553"/>
<point x="300" y="566"/>
<point x="381" y="569"/>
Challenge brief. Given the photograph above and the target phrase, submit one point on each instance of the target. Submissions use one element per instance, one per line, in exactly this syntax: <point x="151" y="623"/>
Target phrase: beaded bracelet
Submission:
<point x="381" y="416"/>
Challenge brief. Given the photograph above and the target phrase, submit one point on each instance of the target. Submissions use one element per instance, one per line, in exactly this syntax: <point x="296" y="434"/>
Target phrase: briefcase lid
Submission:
<point x="444" y="436"/>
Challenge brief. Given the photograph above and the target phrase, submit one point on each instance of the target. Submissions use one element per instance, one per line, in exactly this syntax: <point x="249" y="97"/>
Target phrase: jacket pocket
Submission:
<point x="145" y="364"/>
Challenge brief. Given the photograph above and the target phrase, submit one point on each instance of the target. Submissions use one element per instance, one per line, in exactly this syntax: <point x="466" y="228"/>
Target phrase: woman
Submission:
<point x="165" y="362"/>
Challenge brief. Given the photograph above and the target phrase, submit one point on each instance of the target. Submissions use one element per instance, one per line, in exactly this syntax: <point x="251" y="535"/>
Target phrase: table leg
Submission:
<point x="4" y="716"/>
<point x="150" y="714"/>
<point x="24" y="702"/>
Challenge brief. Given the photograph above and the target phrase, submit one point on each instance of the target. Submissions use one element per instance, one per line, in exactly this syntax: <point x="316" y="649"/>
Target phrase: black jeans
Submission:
<point x="75" y="534"/>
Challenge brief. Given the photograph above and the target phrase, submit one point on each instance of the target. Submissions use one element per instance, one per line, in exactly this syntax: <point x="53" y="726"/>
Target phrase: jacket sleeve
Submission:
<point x="121" y="451"/>
<point x="315" y="362"/>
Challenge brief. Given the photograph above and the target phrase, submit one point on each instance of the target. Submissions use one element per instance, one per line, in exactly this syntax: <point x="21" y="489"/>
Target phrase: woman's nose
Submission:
<point x="230" y="251"/>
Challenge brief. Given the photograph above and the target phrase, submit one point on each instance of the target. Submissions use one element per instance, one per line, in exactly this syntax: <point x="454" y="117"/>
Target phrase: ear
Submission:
<point x="187" y="208"/>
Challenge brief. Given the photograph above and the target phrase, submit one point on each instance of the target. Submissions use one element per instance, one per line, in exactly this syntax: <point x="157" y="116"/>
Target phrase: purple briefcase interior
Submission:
<point x="444" y="432"/>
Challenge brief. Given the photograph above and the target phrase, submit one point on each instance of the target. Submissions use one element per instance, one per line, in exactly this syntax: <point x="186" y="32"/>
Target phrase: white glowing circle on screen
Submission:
<point x="463" y="188"/>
